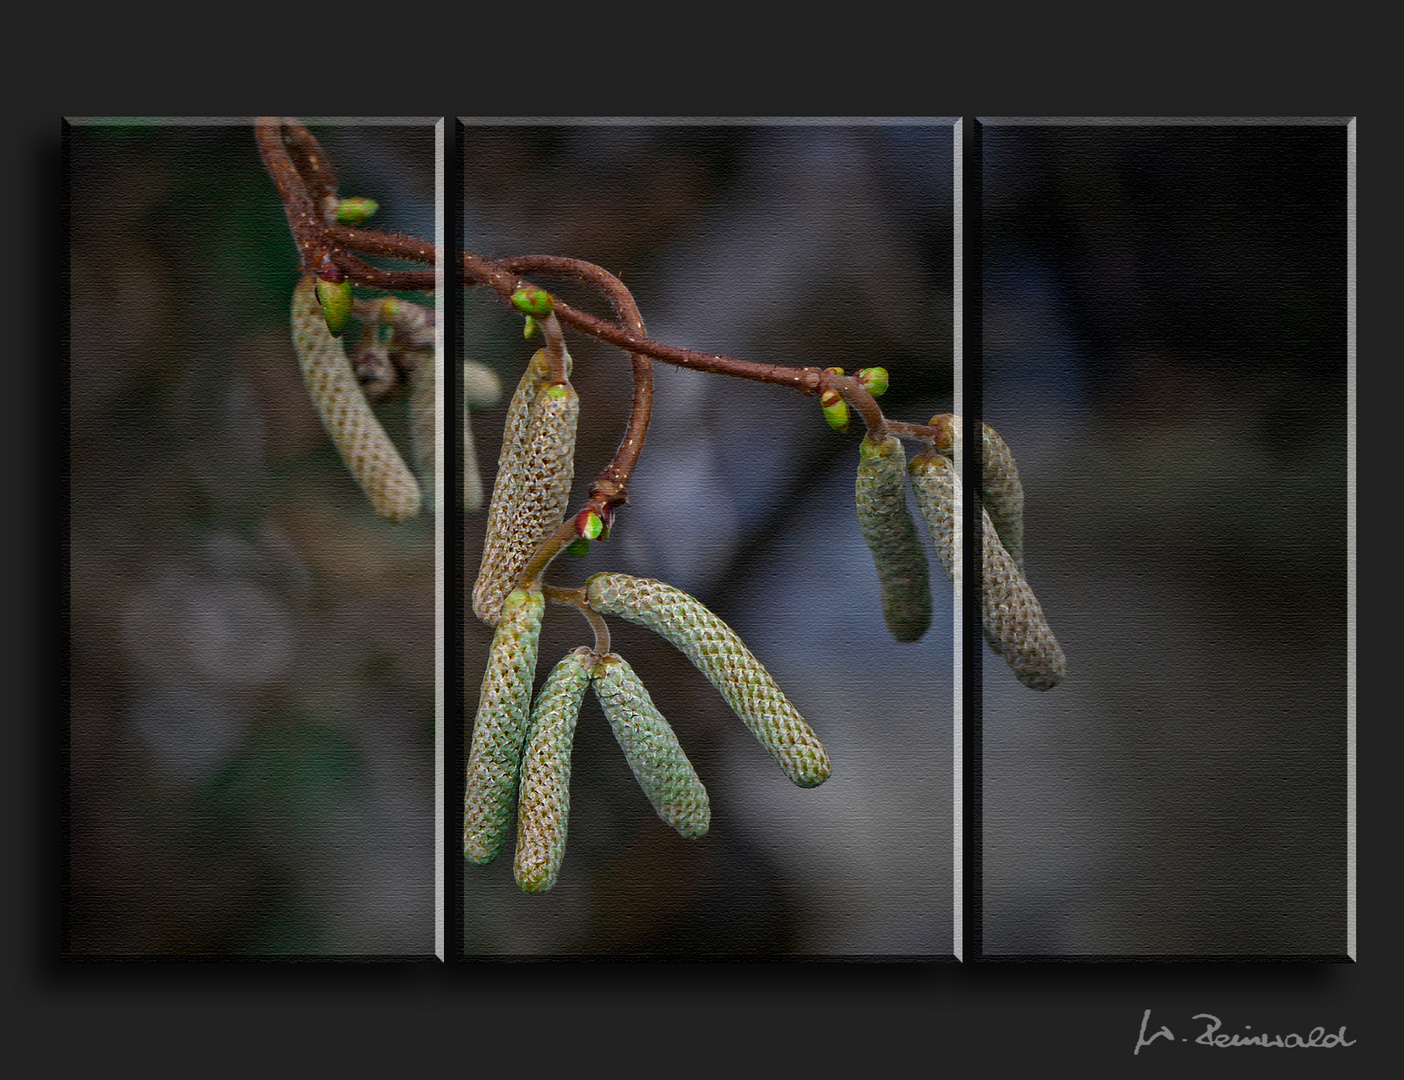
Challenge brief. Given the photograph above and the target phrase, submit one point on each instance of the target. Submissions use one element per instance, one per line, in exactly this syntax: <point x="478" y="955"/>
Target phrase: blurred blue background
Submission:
<point x="778" y="243"/>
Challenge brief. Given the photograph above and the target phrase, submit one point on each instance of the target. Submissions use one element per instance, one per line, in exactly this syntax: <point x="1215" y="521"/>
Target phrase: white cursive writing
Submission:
<point x="1317" y="1038"/>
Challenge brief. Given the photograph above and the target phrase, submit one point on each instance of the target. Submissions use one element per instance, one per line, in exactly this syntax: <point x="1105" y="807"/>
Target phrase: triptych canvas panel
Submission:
<point x="321" y="449"/>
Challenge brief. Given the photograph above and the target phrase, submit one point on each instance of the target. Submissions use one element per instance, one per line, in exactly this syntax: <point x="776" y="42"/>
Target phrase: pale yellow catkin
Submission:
<point x="532" y="490"/>
<point x="364" y="447"/>
<point x="1013" y="619"/>
<point x="937" y="489"/>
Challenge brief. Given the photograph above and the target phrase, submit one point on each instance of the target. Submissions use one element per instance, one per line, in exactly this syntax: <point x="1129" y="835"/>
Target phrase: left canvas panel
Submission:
<point x="253" y="569"/>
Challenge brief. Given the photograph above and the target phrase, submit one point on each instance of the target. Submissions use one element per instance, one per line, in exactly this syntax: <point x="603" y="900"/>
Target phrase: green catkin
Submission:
<point x="1001" y="493"/>
<point x="364" y="447"/>
<point x="543" y="804"/>
<point x="891" y="536"/>
<point x="532" y="491"/>
<point x="500" y="726"/>
<point x="720" y="655"/>
<point x="652" y="749"/>
<point x="1013" y="621"/>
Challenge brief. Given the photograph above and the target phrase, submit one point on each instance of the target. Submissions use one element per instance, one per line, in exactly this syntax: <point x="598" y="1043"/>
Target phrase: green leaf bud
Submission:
<point x="588" y="524"/>
<point x="355" y="210"/>
<point x="835" y="409"/>
<point x="336" y="301"/>
<point x="534" y="302"/>
<point x="873" y="380"/>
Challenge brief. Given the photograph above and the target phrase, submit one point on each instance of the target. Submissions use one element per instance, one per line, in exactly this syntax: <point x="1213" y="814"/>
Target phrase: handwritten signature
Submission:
<point x="1317" y="1038"/>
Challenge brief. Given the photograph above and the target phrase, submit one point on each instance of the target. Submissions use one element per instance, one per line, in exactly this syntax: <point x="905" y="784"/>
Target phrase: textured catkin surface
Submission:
<point x="543" y="805"/>
<point x="937" y="489"/>
<point x="500" y="726"/>
<point x="1001" y="492"/>
<point x="365" y="448"/>
<point x="719" y="654"/>
<point x="891" y="536"/>
<point x="424" y="420"/>
<point x="1014" y="622"/>
<point x="532" y="490"/>
<point x="652" y="749"/>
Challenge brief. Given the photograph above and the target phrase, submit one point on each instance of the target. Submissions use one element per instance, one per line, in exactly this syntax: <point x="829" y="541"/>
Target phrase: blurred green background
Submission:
<point x="252" y="699"/>
<point x="799" y="244"/>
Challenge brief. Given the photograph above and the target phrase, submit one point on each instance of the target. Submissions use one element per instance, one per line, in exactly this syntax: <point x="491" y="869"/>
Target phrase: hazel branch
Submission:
<point x="306" y="184"/>
<point x="304" y="218"/>
<point x="611" y="486"/>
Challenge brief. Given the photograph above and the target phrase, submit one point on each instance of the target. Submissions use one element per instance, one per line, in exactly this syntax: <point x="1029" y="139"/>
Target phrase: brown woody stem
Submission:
<point x="555" y="346"/>
<point x="611" y="486"/>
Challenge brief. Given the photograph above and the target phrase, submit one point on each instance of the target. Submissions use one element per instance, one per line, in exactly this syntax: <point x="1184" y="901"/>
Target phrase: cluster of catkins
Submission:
<point x="1013" y="621"/>
<point x="521" y="745"/>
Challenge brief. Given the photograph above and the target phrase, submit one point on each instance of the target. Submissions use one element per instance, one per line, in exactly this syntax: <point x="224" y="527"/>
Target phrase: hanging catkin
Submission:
<point x="543" y="805"/>
<point x="1012" y="618"/>
<point x="937" y="489"/>
<point x="1014" y="622"/>
<point x="500" y="726"/>
<point x="719" y="654"/>
<point x="651" y="747"/>
<point x="1001" y="493"/>
<point x="365" y="448"/>
<point x="532" y="490"/>
<point x="891" y="536"/>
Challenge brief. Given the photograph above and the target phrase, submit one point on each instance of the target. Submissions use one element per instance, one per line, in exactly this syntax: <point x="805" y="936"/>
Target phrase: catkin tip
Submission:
<point x="719" y="654"/>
